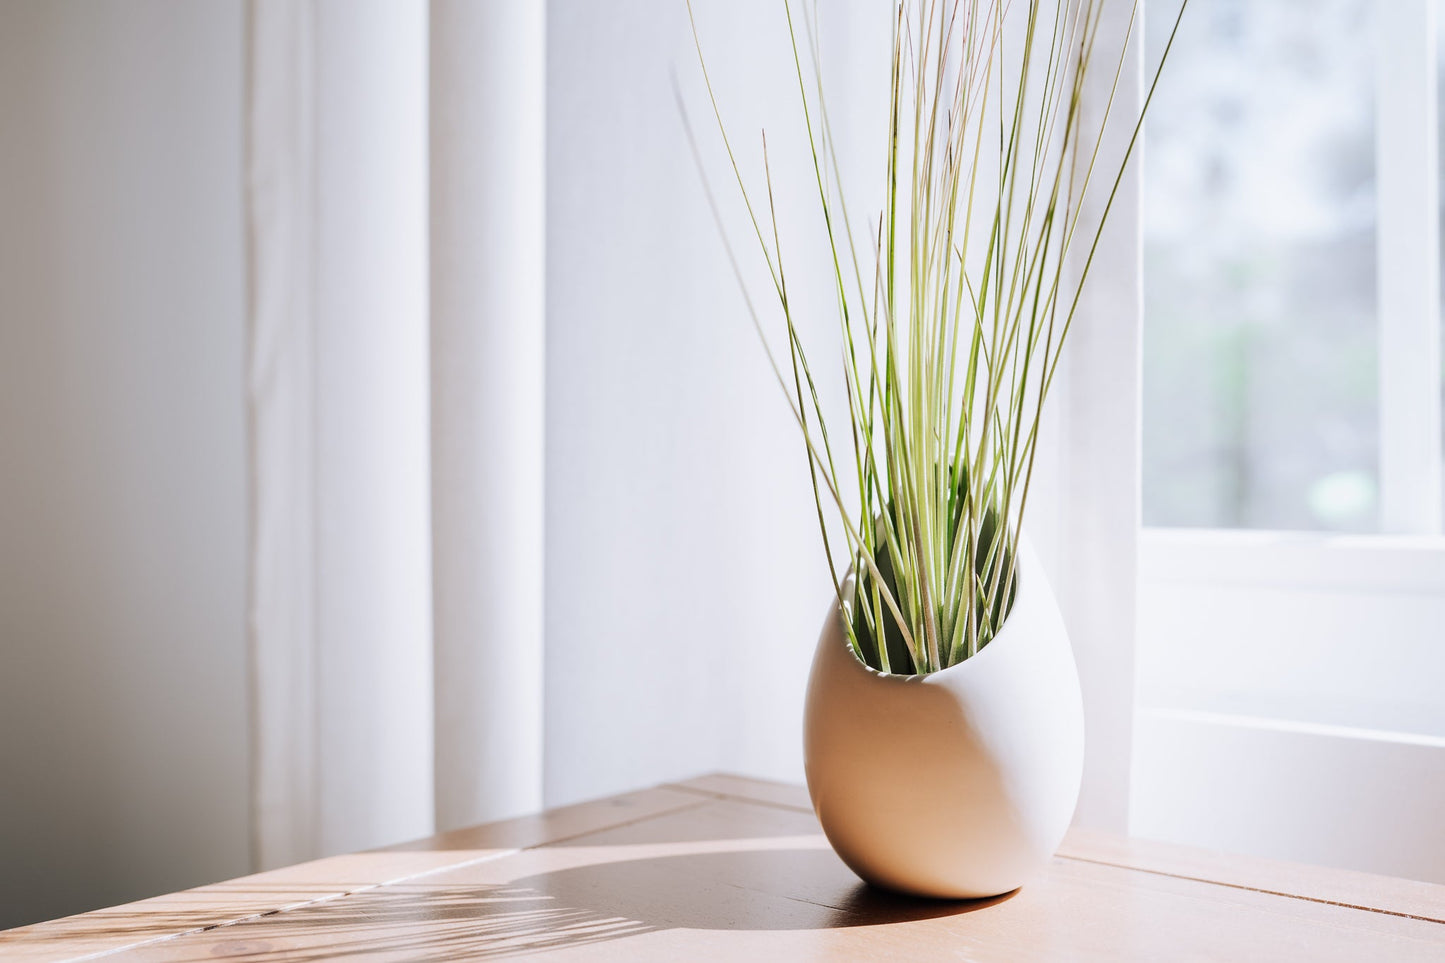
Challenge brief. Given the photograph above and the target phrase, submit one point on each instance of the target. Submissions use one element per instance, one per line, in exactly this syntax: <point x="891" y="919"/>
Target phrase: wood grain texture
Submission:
<point x="727" y="786"/>
<point x="1385" y="894"/>
<point x="221" y="904"/>
<point x="726" y="868"/>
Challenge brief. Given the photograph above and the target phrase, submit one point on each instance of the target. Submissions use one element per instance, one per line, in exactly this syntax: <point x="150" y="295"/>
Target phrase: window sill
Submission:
<point x="1388" y="564"/>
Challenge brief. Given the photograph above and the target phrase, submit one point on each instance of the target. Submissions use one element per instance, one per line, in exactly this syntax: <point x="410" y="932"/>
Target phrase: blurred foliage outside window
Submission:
<point x="1260" y="364"/>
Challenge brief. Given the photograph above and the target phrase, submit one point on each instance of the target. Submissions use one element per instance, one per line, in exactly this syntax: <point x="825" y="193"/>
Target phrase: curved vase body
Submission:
<point x="959" y="783"/>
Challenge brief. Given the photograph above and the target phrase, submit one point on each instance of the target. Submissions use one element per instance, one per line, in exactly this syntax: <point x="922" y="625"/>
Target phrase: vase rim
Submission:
<point x="1026" y="560"/>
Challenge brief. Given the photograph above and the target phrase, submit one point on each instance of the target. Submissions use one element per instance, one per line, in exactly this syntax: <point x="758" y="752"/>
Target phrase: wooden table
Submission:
<point x="728" y="868"/>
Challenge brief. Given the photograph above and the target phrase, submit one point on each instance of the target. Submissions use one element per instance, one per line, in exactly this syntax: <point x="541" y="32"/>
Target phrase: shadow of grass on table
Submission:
<point x="803" y="889"/>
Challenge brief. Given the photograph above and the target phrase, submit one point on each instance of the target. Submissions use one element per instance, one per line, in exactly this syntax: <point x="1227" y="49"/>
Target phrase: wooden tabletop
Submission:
<point x="728" y="868"/>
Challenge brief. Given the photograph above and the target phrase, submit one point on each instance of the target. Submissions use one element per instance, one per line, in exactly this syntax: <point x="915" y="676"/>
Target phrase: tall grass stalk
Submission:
<point x="954" y="306"/>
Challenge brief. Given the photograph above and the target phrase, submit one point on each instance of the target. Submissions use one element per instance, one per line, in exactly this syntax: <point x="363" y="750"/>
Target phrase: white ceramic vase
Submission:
<point x="959" y="783"/>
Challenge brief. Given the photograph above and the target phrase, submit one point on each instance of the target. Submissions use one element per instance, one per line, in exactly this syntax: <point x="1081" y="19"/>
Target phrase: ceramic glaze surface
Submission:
<point x="959" y="783"/>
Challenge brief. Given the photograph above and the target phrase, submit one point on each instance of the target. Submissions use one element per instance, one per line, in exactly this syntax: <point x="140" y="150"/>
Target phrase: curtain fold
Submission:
<point x="488" y="208"/>
<point x="280" y="396"/>
<point x="340" y="590"/>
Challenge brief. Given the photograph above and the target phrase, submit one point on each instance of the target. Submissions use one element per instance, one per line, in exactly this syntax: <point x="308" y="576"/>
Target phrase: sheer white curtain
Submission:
<point x="488" y="98"/>
<point x="395" y="583"/>
<point x="443" y="433"/>
<point x="280" y="386"/>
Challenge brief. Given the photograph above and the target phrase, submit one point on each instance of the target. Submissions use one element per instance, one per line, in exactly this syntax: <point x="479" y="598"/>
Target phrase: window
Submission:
<point x="1291" y="657"/>
<point x="1289" y="187"/>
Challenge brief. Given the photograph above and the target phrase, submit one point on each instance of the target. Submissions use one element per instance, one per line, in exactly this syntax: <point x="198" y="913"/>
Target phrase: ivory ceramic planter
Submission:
<point x="959" y="783"/>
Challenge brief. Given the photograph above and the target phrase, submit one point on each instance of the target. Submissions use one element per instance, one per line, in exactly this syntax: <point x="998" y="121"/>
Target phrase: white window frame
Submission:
<point x="1312" y="789"/>
<point x="1407" y="177"/>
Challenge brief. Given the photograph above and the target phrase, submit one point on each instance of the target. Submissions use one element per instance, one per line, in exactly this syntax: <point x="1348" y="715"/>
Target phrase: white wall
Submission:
<point x="681" y="534"/>
<point x="122" y="501"/>
<point x="682" y="543"/>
